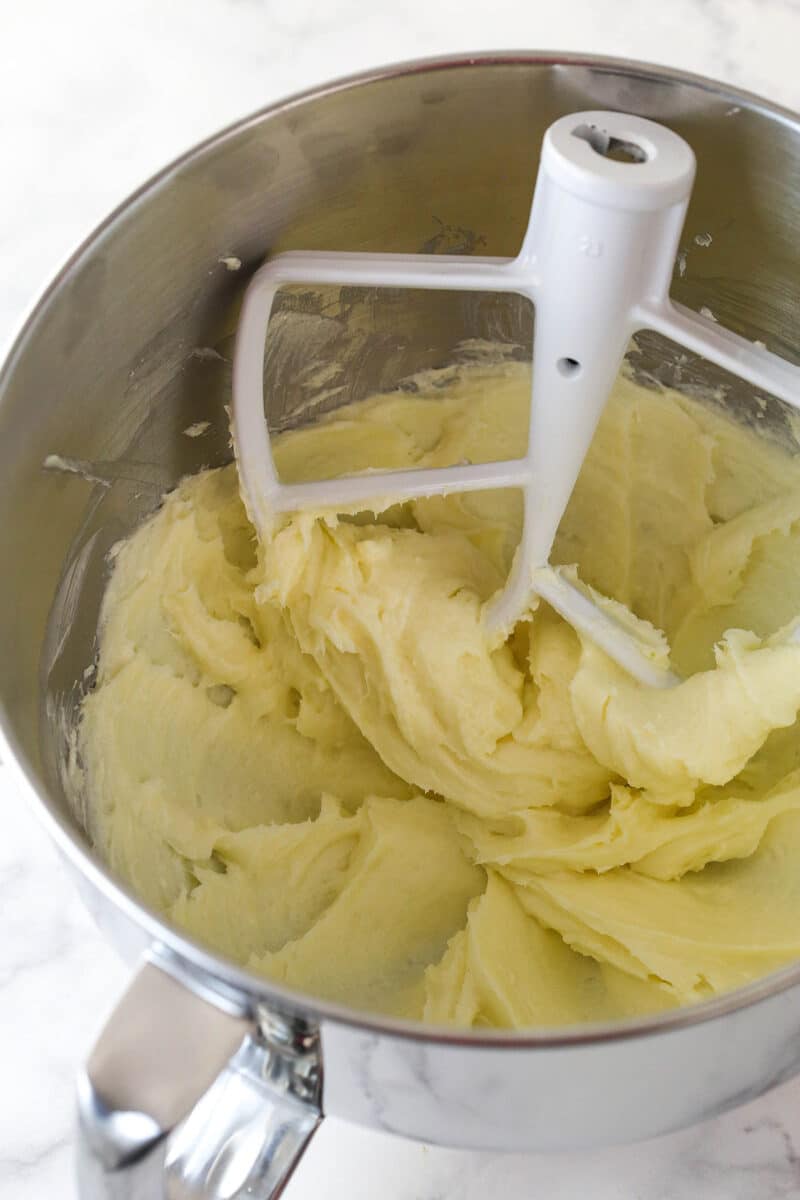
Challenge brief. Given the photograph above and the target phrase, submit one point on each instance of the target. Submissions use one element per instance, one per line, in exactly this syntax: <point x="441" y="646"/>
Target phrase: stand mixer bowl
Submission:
<point x="128" y="349"/>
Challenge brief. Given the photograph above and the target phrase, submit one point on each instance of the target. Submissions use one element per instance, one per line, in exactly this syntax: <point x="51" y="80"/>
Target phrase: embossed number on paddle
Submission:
<point x="589" y="246"/>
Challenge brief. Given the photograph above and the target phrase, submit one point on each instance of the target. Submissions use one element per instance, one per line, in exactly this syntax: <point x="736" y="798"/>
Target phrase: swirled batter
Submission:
<point x="306" y="753"/>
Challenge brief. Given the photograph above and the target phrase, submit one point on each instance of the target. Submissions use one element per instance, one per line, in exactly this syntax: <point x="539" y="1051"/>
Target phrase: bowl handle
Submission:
<point x="190" y="1097"/>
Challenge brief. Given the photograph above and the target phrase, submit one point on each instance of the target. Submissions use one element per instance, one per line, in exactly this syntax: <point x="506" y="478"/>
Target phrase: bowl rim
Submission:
<point x="200" y="968"/>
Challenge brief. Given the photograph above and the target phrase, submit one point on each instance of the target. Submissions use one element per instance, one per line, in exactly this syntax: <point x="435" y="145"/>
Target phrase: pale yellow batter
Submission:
<point x="307" y="754"/>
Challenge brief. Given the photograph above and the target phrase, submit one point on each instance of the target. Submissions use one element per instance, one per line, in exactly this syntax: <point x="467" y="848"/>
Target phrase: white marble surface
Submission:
<point x="94" y="96"/>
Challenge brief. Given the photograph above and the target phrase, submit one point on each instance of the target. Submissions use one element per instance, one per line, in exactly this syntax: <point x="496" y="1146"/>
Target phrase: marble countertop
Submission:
<point x="94" y="97"/>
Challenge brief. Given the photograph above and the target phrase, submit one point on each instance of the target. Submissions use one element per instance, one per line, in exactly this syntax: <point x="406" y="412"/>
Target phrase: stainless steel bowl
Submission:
<point x="106" y="374"/>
